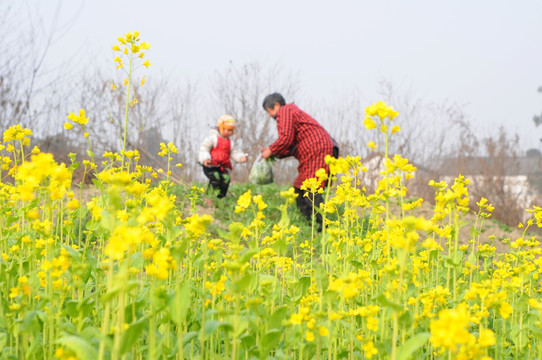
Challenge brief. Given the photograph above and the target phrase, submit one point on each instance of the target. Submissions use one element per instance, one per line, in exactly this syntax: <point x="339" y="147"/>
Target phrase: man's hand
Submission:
<point x="266" y="153"/>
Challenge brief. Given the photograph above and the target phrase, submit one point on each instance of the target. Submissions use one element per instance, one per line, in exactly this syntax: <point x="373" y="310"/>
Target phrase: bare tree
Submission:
<point x="28" y="88"/>
<point x="342" y="117"/>
<point x="182" y="102"/>
<point x="240" y="91"/>
<point x="104" y="101"/>
<point x="538" y="118"/>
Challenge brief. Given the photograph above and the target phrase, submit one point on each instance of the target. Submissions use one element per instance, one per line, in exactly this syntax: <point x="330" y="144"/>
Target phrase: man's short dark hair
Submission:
<point x="271" y="99"/>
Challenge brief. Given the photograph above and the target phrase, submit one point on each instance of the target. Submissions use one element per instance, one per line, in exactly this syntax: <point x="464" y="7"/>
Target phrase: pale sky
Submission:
<point x="485" y="55"/>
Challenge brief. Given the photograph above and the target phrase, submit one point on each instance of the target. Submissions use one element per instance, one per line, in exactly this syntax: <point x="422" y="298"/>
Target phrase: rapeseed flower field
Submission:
<point x="134" y="274"/>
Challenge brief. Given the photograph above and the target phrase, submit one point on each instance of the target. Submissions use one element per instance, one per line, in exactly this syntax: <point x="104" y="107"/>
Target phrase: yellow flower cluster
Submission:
<point x="42" y="166"/>
<point x="78" y="119"/>
<point x="351" y="285"/>
<point x="131" y="44"/>
<point x="431" y="300"/>
<point x="450" y="332"/>
<point x="382" y="111"/>
<point x="491" y="295"/>
<point x="243" y="202"/>
<point x="451" y="329"/>
<point x="312" y="185"/>
<point x="309" y="320"/>
<point x="19" y="295"/>
<point x="197" y="224"/>
<point x="168" y="149"/>
<point x="56" y="268"/>
<point x="124" y="240"/>
<point x="17" y="133"/>
<point x="218" y="287"/>
<point x="162" y="263"/>
<point x="452" y="199"/>
<point x="158" y="206"/>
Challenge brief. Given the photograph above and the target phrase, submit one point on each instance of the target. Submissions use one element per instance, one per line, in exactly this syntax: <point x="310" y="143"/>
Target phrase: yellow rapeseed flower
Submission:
<point x="369" y="349"/>
<point x="486" y="338"/>
<point x="73" y="204"/>
<point x="369" y="123"/>
<point x="451" y="329"/>
<point x="197" y="224"/>
<point x="16" y="133"/>
<point x="79" y="119"/>
<point x="243" y="202"/>
<point x="323" y="331"/>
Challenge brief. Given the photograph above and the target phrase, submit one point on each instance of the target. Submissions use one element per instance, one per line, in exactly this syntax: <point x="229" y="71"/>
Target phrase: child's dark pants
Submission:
<point x="218" y="179"/>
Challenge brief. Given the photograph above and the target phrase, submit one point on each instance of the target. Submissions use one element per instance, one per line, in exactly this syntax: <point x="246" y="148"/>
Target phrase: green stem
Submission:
<point x="105" y="319"/>
<point x="127" y="108"/>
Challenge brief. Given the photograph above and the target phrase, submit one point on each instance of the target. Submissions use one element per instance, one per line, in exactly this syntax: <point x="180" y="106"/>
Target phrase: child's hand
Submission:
<point x="245" y="158"/>
<point x="206" y="163"/>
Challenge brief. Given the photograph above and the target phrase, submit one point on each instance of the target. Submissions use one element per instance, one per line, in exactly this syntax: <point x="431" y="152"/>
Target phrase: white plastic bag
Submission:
<point x="261" y="172"/>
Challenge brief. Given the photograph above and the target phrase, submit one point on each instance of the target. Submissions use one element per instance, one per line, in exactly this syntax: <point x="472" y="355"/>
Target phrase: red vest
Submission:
<point x="220" y="154"/>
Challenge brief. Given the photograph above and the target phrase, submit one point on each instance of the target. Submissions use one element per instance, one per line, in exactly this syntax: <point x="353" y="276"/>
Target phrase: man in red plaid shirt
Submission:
<point x="305" y="139"/>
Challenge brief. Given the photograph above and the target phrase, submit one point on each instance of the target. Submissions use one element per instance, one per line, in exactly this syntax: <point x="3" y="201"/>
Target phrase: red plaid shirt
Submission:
<point x="304" y="138"/>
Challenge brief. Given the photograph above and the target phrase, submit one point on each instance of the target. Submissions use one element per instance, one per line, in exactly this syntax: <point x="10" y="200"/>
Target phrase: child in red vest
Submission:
<point x="216" y="152"/>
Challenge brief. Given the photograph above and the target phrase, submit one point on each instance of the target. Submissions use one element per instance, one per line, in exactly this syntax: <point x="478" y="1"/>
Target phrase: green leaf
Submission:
<point x="82" y="348"/>
<point x="411" y="345"/>
<point x="383" y="300"/>
<point x="321" y="276"/>
<point x="31" y="324"/>
<point x="433" y="255"/>
<point x="405" y="319"/>
<point x="472" y="258"/>
<point x="302" y="286"/>
<point x="211" y="327"/>
<point x="71" y="308"/>
<point x="451" y="262"/>
<point x="131" y="335"/>
<point x="234" y="235"/>
<point x="275" y="321"/>
<point x="179" y="251"/>
<point x="160" y="298"/>
<point x="99" y="184"/>
<point x="271" y="339"/>
<point x="73" y="253"/>
<point x="180" y="303"/>
<point x="284" y="221"/>
<point x="189" y="336"/>
<point x="248" y="340"/>
<point x="248" y="255"/>
<point x="74" y="308"/>
<point x="73" y="166"/>
<point x="535" y="330"/>
<point x="243" y="283"/>
<point x="108" y="296"/>
<point x="358" y="265"/>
